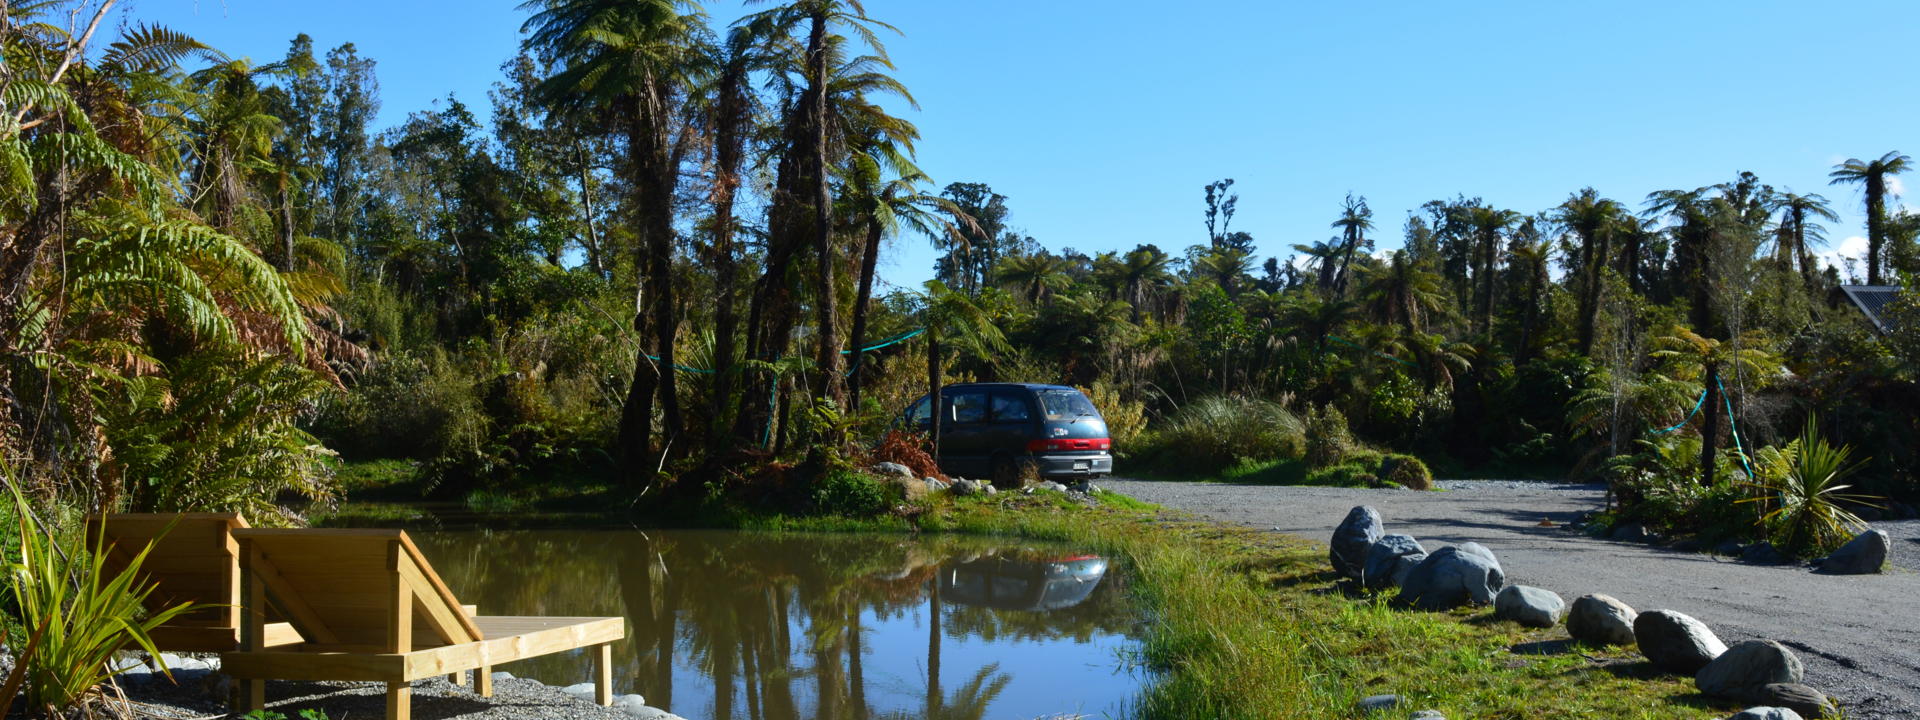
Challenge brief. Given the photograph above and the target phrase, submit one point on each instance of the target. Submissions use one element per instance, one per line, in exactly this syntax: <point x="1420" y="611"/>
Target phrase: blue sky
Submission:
<point x="1101" y="121"/>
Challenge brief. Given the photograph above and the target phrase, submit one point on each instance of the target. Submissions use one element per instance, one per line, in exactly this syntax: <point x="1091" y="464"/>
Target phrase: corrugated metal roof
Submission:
<point x="1872" y="300"/>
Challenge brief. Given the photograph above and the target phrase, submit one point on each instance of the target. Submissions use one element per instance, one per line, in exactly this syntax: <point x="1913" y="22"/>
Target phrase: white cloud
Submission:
<point x="1895" y="187"/>
<point x="1853" y="248"/>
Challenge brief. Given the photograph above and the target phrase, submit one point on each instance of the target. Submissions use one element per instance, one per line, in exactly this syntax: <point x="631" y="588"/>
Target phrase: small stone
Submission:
<point x="1675" y="642"/>
<point x="1427" y="715"/>
<point x="653" y="713"/>
<point x="1453" y="576"/>
<point x="963" y="486"/>
<point x="1801" y="700"/>
<point x="501" y="676"/>
<point x="1352" y="540"/>
<point x="1051" y="485"/>
<point x="1385" y="565"/>
<point x="580" y="689"/>
<point x="1601" y="620"/>
<point x="1865" y="554"/>
<point x="1377" y="703"/>
<point x="892" y="469"/>
<point x="630" y="704"/>
<point x="1529" y="606"/>
<point x="991" y="490"/>
<point x="1766" y="713"/>
<point x="1747" y="665"/>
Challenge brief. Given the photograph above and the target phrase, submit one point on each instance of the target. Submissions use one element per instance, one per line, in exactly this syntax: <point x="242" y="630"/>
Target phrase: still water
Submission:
<point x="760" y="626"/>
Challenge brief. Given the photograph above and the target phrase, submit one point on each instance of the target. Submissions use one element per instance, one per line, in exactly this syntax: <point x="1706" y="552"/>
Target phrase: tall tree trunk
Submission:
<point x="869" y="260"/>
<point x="1487" y="244"/>
<point x="1876" y="225"/>
<point x="1710" y="425"/>
<point x="658" y="179"/>
<point x="933" y="391"/>
<point x="728" y="151"/>
<point x="832" y="385"/>
<point x="636" y="413"/>
<point x="1590" y="294"/>
<point x="592" y="239"/>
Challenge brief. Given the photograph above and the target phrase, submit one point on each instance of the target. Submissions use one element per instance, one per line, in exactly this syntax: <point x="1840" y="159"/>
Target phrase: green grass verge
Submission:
<point x="1242" y="624"/>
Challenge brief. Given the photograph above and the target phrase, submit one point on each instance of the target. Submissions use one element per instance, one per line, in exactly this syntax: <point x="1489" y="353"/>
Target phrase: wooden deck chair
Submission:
<point x="194" y="559"/>
<point x="368" y="607"/>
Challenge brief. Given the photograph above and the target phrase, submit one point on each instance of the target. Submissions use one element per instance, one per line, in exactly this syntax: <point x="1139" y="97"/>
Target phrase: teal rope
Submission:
<point x="1696" y="411"/>
<point x="1733" y="428"/>
<point x="1338" y="339"/>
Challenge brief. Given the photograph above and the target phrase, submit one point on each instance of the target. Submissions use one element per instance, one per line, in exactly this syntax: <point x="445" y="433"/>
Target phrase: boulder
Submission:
<point x="1389" y="560"/>
<point x="1762" y="553"/>
<point x="1529" y="606"/>
<point x="1766" y="713"/>
<point x="1675" y="642"/>
<point x="1453" y="576"/>
<point x="934" y="484"/>
<point x="910" y="489"/>
<point x="1427" y="715"/>
<point x="501" y="676"/>
<point x="630" y="704"/>
<point x="1795" y="698"/>
<point x="1352" y="539"/>
<point x="891" y="470"/>
<point x="1865" y="554"/>
<point x="580" y="690"/>
<point x="963" y="486"/>
<point x="1750" y="664"/>
<point x="1600" y="620"/>
<point x="653" y="713"/>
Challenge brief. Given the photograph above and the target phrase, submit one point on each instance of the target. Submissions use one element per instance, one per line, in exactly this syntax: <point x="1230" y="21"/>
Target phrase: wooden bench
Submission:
<point x="367" y="606"/>
<point x="194" y="559"/>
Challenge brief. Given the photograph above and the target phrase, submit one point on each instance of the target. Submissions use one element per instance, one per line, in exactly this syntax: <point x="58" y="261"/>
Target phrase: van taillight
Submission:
<point x="1057" y="444"/>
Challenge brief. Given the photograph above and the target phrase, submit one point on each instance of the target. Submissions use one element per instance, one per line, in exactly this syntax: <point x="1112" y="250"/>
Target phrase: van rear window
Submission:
<point x="1066" y="404"/>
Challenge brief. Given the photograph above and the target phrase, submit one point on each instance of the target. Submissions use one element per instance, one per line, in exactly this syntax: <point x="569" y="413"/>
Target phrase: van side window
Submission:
<point x="920" y="414"/>
<point x="968" y="407"/>
<point x="1010" y="408"/>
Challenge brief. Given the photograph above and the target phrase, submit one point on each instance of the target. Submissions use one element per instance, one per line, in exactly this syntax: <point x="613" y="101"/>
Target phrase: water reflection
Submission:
<point x="730" y="625"/>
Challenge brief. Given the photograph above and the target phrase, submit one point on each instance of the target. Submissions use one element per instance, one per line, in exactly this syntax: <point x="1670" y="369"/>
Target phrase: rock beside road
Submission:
<point x="1601" y="620"/>
<point x="1766" y="713"/>
<point x="1801" y="700"/>
<point x="1749" y="664"/>
<point x="1675" y="642"/>
<point x="1389" y="560"/>
<point x="1453" y="576"/>
<point x="1865" y="554"/>
<point x="1353" y="539"/>
<point x="1529" y="606"/>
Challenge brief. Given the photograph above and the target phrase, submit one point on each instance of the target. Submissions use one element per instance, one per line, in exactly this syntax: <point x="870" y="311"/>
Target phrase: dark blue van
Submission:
<point x="996" y="430"/>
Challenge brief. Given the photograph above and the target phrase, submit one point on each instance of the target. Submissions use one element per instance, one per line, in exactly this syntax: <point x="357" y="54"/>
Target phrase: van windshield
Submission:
<point x="1066" y="404"/>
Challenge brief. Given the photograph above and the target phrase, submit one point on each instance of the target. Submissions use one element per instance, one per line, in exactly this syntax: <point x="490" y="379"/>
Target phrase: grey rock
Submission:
<point x="934" y="485"/>
<point x="1352" y="539"/>
<point x="584" y="689"/>
<point x="1749" y="664"/>
<point x="1762" y="553"/>
<point x="1387" y="563"/>
<point x="1427" y="715"/>
<point x="501" y="676"/>
<point x="630" y="704"/>
<point x="963" y="486"/>
<point x="1453" y="576"/>
<point x="1865" y="554"/>
<point x="892" y="469"/>
<point x="1051" y="485"/>
<point x="1377" y="703"/>
<point x="1675" y="642"/>
<point x="1601" y="620"/>
<point x="990" y="489"/>
<point x="1529" y="606"/>
<point x="1766" y="713"/>
<point x="1800" y="700"/>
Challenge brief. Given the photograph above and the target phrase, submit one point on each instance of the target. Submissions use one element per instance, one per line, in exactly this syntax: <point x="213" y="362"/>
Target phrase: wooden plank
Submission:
<point x="449" y="623"/>
<point x="301" y="665"/>
<point x="557" y="635"/>
<point x="483" y="681"/>
<point x="440" y="588"/>
<point x="400" y="610"/>
<point x="603" y="674"/>
<point x="285" y="597"/>
<point x="399" y="701"/>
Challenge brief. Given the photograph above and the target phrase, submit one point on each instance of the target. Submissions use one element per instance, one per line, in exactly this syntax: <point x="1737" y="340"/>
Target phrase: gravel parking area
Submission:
<point x="433" y="699"/>
<point x="1856" y="634"/>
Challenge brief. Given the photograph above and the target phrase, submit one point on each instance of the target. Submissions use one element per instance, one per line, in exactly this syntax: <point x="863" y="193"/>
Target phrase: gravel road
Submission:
<point x="1856" y="634"/>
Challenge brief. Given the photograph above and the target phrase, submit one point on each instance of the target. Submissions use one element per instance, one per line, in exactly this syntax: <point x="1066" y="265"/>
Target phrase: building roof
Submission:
<point x="1872" y="301"/>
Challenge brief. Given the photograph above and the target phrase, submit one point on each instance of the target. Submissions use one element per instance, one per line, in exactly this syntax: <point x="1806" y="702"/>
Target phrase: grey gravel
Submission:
<point x="433" y="699"/>
<point x="1853" y="632"/>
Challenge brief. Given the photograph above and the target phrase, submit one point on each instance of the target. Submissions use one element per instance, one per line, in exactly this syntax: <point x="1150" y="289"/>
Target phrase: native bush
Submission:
<point x="1406" y="471"/>
<point x="1328" y="441"/>
<point x="1804" y="495"/>
<point x="849" y="493"/>
<point x="1216" y="432"/>
<point x="77" y="614"/>
<point x="1126" y="419"/>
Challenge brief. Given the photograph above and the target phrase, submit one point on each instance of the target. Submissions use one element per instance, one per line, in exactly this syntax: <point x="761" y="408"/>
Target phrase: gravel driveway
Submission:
<point x="1856" y="634"/>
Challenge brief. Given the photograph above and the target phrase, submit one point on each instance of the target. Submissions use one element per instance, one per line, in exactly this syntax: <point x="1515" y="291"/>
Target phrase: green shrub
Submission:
<point x="1804" y="495"/>
<point x="1328" y="440"/>
<point x="1406" y="471"/>
<point x="1218" y="432"/>
<point x="853" y="494"/>
<point x="1126" y="420"/>
<point x="77" y="615"/>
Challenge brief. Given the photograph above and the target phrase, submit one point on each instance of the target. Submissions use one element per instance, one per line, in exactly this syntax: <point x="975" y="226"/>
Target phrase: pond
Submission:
<point x="781" y="626"/>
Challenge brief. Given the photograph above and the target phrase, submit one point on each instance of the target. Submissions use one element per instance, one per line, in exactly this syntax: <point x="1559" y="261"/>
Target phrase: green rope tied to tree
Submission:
<point x="1683" y="422"/>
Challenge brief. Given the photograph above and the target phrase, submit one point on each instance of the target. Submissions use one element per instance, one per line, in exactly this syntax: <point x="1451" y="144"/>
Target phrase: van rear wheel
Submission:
<point x="1006" y="472"/>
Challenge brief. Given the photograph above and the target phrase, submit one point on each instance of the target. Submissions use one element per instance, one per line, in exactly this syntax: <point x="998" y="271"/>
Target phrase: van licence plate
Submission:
<point x="1083" y="464"/>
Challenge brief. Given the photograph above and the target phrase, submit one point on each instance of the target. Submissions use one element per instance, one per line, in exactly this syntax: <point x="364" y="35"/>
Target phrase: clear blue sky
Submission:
<point x="1101" y="121"/>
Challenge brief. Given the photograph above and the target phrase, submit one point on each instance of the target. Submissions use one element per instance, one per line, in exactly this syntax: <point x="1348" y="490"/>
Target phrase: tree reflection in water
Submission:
<point x="717" y="614"/>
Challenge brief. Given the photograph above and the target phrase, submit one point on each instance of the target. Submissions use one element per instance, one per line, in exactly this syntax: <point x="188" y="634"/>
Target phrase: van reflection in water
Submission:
<point x="1033" y="585"/>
